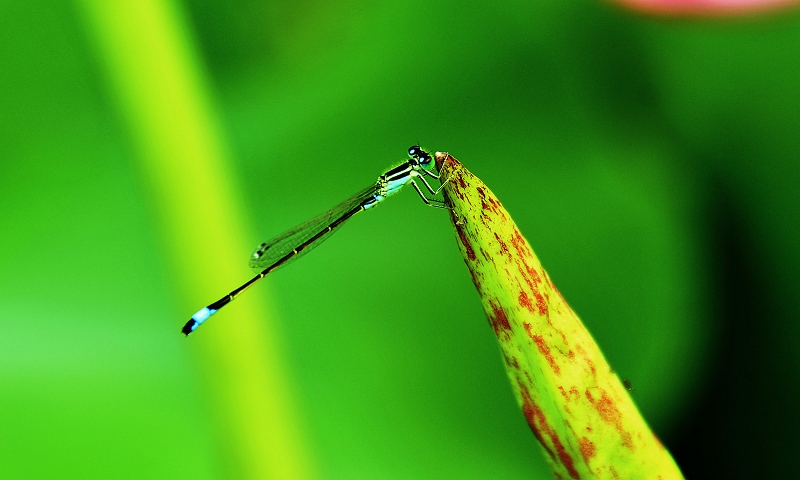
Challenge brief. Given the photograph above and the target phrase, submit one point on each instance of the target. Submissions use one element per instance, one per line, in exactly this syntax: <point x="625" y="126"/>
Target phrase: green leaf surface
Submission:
<point x="573" y="401"/>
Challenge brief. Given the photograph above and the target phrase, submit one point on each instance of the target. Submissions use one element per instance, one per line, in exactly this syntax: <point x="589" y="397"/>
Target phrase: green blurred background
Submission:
<point x="652" y="164"/>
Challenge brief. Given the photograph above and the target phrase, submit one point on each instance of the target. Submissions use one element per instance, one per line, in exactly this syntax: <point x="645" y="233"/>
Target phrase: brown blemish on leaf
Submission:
<point x="533" y="273"/>
<point x="572" y="394"/>
<point x="588" y="361"/>
<point x="532" y="279"/>
<point x="499" y="320"/>
<point x="563" y="393"/>
<point x="488" y="202"/>
<point x="519" y="243"/>
<point x="544" y="349"/>
<point x="475" y="280"/>
<point x="491" y="199"/>
<point x="566" y="400"/>
<point x="486" y="255"/>
<point x="503" y="246"/>
<point x="613" y="472"/>
<point x="610" y="414"/>
<point x="498" y="206"/>
<point x="528" y="376"/>
<point x="542" y="429"/>
<point x="587" y="448"/>
<point x="525" y="301"/>
<point x="541" y="307"/>
<point x="540" y="303"/>
<point x="511" y="362"/>
<point x="462" y="235"/>
<point x="484" y="205"/>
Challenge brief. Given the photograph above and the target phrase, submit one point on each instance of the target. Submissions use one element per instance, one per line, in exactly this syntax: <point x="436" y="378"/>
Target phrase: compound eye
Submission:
<point x="413" y="151"/>
<point x="425" y="159"/>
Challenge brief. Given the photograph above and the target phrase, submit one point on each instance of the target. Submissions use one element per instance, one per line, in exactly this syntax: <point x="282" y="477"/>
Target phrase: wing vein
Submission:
<point x="303" y="235"/>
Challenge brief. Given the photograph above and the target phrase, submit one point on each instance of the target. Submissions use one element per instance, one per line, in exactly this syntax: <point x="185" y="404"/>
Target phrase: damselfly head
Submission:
<point x="420" y="155"/>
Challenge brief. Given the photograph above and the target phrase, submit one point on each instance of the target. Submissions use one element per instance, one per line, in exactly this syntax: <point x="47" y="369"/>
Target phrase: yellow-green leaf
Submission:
<point x="576" y="406"/>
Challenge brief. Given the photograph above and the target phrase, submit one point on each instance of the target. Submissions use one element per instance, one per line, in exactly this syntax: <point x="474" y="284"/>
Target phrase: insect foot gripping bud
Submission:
<point x="576" y="406"/>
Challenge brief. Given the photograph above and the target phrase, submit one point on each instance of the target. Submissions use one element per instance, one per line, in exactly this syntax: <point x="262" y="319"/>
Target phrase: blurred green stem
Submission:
<point x="154" y="73"/>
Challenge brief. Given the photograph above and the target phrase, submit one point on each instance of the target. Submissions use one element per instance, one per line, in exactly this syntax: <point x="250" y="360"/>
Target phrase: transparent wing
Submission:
<point x="271" y="251"/>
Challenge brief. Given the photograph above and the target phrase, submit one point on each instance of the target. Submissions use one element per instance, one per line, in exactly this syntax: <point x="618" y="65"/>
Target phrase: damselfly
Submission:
<point x="291" y="245"/>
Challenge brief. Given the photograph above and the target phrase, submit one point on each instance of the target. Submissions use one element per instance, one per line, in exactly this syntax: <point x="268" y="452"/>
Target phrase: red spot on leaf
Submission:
<point x="540" y="303"/>
<point x="529" y="274"/>
<point x="484" y="205"/>
<point x="499" y="319"/>
<point x="503" y="246"/>
<point x="544" y="431"/>
<point x="544" y="349"/>
<point x="587" y="448"/>
<point x="572" y="394"/>
<point x="475" y="280"/>
<point x="591" y="366"/>
<point x="525" y="301"/>
<point x="511" y="362"/>
<point x="495" y="202"/>
<point x="465" y="241"/>
<point x="532" y="279"/>
<point x="588" y="361"/>
<point x="486" y="255"/>
<point x="519" y="243"/>
<point x="566" y="399"/>
<point x="533" y="273"/>
<point x="563" y="393"/>
<point x="610" y="414"/>
<point x="488" y="202"/>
